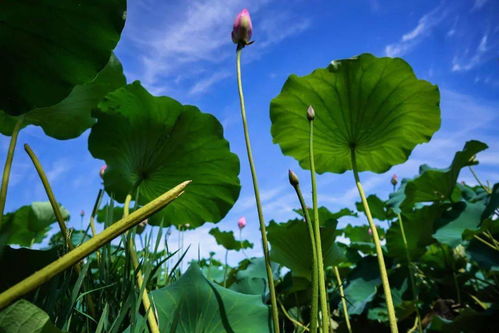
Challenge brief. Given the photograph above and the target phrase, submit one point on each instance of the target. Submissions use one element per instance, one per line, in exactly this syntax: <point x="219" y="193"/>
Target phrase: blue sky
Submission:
<point x="183" y="49"/>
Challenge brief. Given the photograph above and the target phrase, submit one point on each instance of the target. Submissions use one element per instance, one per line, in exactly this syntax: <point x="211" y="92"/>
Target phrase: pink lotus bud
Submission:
<point x="370" y="231"/>
<point x="394" y="180"/>
<point x="102" y="171"/>
<point x="241" y="223"/>
<point x="82" y="213"/>
<point x="243" y="29"/>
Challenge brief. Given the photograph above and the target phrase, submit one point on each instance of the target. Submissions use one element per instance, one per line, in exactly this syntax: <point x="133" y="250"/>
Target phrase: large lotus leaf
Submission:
<point x="228" y="241"/>
<point x="379" y="210"/>
<point x="252" y="278"/>
<point x="418" y="227"/>
<point x="194" y="304"/>
<point x="154" y="143"/>
<point x="458" y="218"/>
<point x="22" y="316"/>
<point x="484" y="255"/>
<point x="32" y="260"/>
<point x="70" y="117"/>
<point x="50" y="46"/>
<point x="375" y="106"/>
<point x="363" y="283"/>
<point x="291" y="246"/>
<point x="438" y="184"/>
<point x="30" y="224"/>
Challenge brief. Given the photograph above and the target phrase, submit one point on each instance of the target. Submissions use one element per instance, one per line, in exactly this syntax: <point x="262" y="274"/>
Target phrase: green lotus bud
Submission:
<point x="293" y="178"/>
<point x="310" y="113"/>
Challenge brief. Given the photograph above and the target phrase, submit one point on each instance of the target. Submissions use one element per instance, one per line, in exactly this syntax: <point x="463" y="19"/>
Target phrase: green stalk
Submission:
<point x="71" y="258"/>
<point x="379" y="252"/>
<point x="94" y="212"/>
<point x="318" y="244"/>
<point x="343" y="300"/>
<point x="8" y="165"/>
<point x="411" y="274"/>
<point x="50" y="194"/>
<point x="263" y="231"/>
<point x="315" y="285"/>
<point x="146" y="302"/>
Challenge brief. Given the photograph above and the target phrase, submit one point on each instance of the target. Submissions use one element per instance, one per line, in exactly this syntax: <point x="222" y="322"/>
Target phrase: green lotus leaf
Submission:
<point x="194" y="304"/>
<point x="375" y="106"/>
<point x="492" y="202"/>
<point x="458" y="218"/>
<point x="437" y="184"/>
<point x="326" y="218"/>
<point x="154" y="143"/>
<point x="228" y="241"/>
<point x="23" y="316"/>
<point x="29" y="224"/>
<point x="363" y="283"/>
<point x="291" y="246"/>
<point x="418" y="227"/>
<point x="484" y="255"/>
<point x="50" y="46"/>
<point x="72" y="116"/>
<point x="379" y="210"/>
<point x="251" y="278"/>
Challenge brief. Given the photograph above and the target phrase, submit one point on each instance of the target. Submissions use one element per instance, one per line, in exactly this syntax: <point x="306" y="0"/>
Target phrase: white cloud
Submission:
<point x="460" y="64"/>
<point x="422" y="30"/>
<point x="178" y="41"/>
<point x="479" y="4"/>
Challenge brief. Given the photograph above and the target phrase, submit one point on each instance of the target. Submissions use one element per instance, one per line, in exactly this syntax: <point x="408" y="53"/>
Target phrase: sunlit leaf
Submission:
<point x="227" y="240"/>
<point x="151" y="144"/>
<point x="376" y="106"/>
<point x="22" y="316"/>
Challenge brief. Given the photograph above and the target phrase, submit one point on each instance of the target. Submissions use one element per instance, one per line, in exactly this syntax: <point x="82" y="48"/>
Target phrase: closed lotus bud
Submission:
<point x="241" y="223"/>
<point x="102" y="171"/>
<point x="394" y="180"/>
<point x="82" y="213"/>
<point x="293" y="178"/>
<point x="370" y="231"/>
<point x="310" y="113"/>
<point x="242" y="29"/>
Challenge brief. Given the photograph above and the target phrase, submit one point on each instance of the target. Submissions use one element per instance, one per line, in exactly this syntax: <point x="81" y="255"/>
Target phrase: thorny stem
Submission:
<point x="71" y="258"/>
<point x="8" y="165"/>
<point x="263" y="231"/>
<point x="318" y="244"/>
<point x="343" y="300"/>
<point x="151" y="316"/>
<point x="379" y="252"/>
<point x="315" y="284"/>
<point x="411" y="274"/>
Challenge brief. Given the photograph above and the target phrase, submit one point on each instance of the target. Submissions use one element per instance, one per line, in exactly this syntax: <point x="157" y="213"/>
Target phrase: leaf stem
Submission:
<point x="411" y="274"/>
<point x="379" y="252"/>
<point x="343" y="299"/>
<point x="488" y="190"/>
<point x="90" y="246"/>
<point x="8" y="165"/>
<point x="263" y="231"/>
<point x="318" y="243"/>
<point x="50" y="194"/>
<point x="315" y="282"/>
<point x="94" y="211"/>
<point x="146" y="302"/>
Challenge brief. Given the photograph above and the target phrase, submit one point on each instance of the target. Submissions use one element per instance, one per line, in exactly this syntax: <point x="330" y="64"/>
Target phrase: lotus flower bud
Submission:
<point x="310" y="113"/>
<point x="370" y="231"/>
<point x="394" y="180"/>
<point x="293" y="178"/>
<point x="242" y="29"/>
<point x="241" y="223"/>
<point x="82" y="213"/>
<point x="102" y="171"/>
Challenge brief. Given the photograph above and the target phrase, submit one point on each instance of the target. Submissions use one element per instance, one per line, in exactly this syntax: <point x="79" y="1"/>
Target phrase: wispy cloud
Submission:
<point x="180" y="41"/>
<point x="422" y="30"/>
<point x="464" y="63"/>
